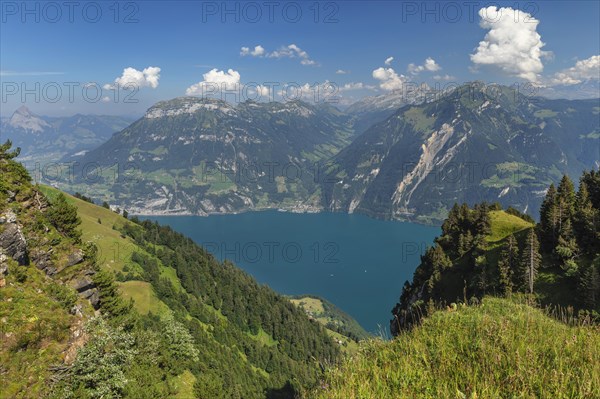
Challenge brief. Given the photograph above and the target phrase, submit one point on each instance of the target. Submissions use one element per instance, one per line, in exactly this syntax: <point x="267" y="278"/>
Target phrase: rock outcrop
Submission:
<point x="12" y="240"/>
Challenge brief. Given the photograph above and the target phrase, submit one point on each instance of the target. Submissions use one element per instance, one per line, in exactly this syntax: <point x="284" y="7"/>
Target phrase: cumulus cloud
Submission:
<point x="258" y="51"/>
<point x="131" y="77"/>
<point x="326" y="92"/>
<point x="512" y="43"/>
<point x="583" y="70"/>
<point x="341" y="72"/>
<point x="429" y="65"/>
<point x="355" y="86"/>
<point x="292" y="51"/>
<point x="289" y="51"/>
<point x="388" y="61"/>
<point x="389" y="79"/>
<point x="444" y="77"/>
<point x="215" y="80"/>
<point x="263" y="90"/>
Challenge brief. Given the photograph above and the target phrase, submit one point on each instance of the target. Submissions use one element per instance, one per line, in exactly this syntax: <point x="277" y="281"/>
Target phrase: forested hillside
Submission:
<point x="485" y="250"/>
<point x="177" y="323"/>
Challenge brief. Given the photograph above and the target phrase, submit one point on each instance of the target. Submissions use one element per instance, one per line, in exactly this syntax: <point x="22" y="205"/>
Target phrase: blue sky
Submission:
<point x="189" y="39"/>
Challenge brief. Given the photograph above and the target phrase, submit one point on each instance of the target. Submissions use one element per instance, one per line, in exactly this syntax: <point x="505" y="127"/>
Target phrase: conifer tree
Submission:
<point x="530" y="261"/>
<point x="549" y="219"/>
<point x="565" y="195"/>
<point x="6" y="154"/>
<point x="508" y="263"/>
<point x="589" y="285"/>
<point x="64" y="217"/>
<point x="586" y="221"/>
<point x="592" y="182"/>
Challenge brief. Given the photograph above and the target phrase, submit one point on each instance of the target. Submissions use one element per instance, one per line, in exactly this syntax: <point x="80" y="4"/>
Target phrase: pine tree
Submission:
<point x="586" y="221"/>
<point x="482" y="219"/>
<point x="435" y="261"/>
<point x="507" y="264"/>
<point x="592" y="182"/>
<point x="589" y="285"/>
<point x="530" y="261"/>
<point x="111" y="302"/>
<point x="549" y="219"/>
<point x="6" y="154"/>
<point x="64" y="217"/>
<point x="565" y="196"/>
<point x="567" y="251"/>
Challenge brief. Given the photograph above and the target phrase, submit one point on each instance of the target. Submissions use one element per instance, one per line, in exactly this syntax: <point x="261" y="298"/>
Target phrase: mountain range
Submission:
<point x="48" y="139"/>
<point x="403" y="155"/>
<point x="472" y="144"/>
<point x="191" y="155"/>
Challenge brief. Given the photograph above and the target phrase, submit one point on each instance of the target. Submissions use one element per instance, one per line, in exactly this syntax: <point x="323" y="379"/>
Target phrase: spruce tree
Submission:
<point x="530" y="261"/>
<point x="64" y="217"/>
<point x="508" y="263"/>
<point x="589" y="286"/>
<point x="592" y="182"/>
<point x="6" y="154"/>
<point x="565" y="195"/>
<point x="549" y="219"/>
<point x="586" y="221"/>
<point x="567" y="251"/>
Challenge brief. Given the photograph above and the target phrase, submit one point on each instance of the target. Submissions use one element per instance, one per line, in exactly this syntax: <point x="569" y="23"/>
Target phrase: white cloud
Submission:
<point x="263" y="91"/>
<point x="355" y="86"/>
<point x="292" y="51"/>
<point x="258" y="51"/>
<point x="444" y="77"/>
<point x="341" y="72"/>
<point x="215" y="80"/>
<point x="512" y="43"/>
<point x="132" y="77"/>
<point x="389" y="79"/>
<point x="105" y="99"/>
<point x="583" y="70"/>
<point x="388" y="61"/>
<point x="316" y="93"/>
<point x="429" y="65"/>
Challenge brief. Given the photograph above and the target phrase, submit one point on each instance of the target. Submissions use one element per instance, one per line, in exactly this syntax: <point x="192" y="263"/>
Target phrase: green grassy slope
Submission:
<point x="501" y="349"/>
<point x="115" y="250"/>
<point x="503" y="225"/>
<point x="247" y="354"/>
<point x="342" y="327"/>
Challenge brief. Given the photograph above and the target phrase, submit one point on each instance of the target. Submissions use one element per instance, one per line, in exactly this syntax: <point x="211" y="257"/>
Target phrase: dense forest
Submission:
<point x="557" y="261"/>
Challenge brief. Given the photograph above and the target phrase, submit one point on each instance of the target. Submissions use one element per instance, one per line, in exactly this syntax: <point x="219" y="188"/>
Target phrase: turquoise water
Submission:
<point x="356" y="262"/>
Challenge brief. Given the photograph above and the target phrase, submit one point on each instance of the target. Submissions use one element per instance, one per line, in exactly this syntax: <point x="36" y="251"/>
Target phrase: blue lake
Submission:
<point x="356" y="262"/>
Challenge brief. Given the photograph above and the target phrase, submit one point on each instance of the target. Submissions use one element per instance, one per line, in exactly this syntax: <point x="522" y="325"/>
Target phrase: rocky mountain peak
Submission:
<point x="22" y="118"/>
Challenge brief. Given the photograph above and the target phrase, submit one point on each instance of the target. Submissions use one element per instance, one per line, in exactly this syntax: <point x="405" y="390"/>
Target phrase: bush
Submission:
<point x="20" y="273"/>
<point x="62" y="294"/>
<point x="100" y="366"/>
